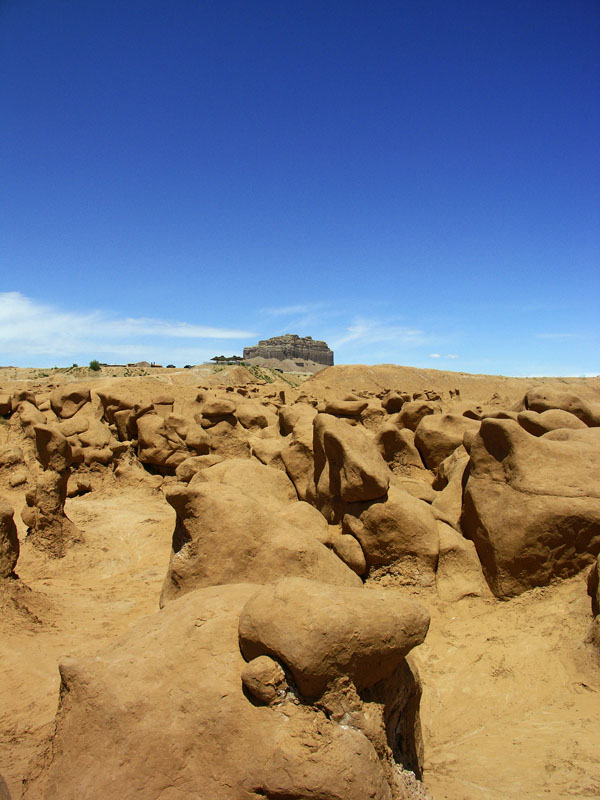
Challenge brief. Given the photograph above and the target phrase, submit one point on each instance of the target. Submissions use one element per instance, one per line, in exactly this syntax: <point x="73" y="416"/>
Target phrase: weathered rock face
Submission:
<point x="49" y="527"/>
<point x="531" y="504"/>
<point x="9" y="541"/>
<point x="594" y="593"/>
<point x="322" y="632"/>
<point x="398" y="536"/>
<point x="292" y="346"/>
<point x="226" y="533"/>
<point x="181" y="717"/>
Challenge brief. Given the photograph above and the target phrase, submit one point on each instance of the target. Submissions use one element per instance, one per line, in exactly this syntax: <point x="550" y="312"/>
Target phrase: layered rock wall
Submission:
<point x="292" y="346"/>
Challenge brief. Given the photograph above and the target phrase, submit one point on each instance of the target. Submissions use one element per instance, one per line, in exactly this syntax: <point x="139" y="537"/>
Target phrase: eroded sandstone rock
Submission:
<point x="49" y="528"/>
<point x="348" y="466"/>
<point x="321" y="632"/>
<point x="531" y="505"/>
<point x="224" y="536"/>
<point x="9" y="540"/>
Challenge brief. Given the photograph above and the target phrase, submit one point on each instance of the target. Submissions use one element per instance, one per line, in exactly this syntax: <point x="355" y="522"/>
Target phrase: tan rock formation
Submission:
<point x="321" y="632"/>
<point x="531" y="505"/>
<point x="49" y="528"/>
<point x="9" y="540"/>
<point x="348" y="466"/>
<point x="181" y="718"/>
<point x="218" y="539"/>
<point x="291" y="346"/>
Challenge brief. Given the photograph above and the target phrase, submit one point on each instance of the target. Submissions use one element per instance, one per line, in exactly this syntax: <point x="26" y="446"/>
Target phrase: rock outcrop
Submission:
<point x="531" y="504"/>
<point x="292" y="346"/>
<point x="9" y="541"/>
<point x="49" y="528"/>
<point x="194" y="714"/>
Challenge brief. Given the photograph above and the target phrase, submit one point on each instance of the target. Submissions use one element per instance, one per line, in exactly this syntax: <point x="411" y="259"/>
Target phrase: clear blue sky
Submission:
<point x="415" y="182"/>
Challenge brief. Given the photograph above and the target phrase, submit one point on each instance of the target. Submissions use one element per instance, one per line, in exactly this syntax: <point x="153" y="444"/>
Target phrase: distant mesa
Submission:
<point x="291" y="346"/>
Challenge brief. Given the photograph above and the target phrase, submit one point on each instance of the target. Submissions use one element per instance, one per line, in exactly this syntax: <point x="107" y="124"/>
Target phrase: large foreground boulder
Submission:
<point x="322" y="632"/>
<point x="165" y="711"/>
<point x="532" y="505"/>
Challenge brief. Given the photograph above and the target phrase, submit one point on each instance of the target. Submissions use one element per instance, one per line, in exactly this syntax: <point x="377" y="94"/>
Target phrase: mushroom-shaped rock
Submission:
<point x="438" y="435"/>
<point x="49" y="527"/>
<point x="29" y="416"/>
<point x="9" y="541"/>
<point x="53" y="449"/>
<point x="68" y="399"/>
<point x="224" y="536"/>
<point x="169" y="716"/>
<point x="532" y="504"/>
<point x="320" y="632"/>
<point x="163" y="404"/>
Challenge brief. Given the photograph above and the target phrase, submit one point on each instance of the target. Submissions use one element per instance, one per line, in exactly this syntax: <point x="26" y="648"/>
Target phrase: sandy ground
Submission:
<point x="75" y="605"/>
<point x="511" y="704"/>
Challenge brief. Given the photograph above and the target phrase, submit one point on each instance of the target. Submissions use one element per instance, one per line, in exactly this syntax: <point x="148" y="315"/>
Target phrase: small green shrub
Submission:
<point x="95" y="365"/>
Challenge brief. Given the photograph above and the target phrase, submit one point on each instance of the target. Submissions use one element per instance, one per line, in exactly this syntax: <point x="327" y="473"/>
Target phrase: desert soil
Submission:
<point x="511" y="697"/>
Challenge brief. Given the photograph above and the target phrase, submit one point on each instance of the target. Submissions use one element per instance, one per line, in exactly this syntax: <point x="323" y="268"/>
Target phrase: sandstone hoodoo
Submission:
<point x="291" y="346"/>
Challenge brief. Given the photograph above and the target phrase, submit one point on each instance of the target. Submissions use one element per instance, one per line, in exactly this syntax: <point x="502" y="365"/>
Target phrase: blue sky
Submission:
<point x="416" y="182"/>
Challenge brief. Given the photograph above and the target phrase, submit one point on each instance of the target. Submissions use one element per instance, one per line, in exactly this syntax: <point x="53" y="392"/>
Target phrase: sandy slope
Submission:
<point x="512" y="697"/>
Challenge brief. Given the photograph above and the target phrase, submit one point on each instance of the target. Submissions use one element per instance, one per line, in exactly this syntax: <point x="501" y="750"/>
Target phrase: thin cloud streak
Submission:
<point x="29" y="328"/>
<point x="291" y="311"/>
<point x="367" y="332"/>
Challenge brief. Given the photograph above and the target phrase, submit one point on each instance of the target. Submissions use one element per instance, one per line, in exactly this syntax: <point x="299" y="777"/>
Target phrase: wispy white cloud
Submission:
<point x="29" y="328"/>
<point x="294" y="310"/>
<point x="447" y="355"/>
<point x="368" y="332"/>
<point x="435" y="355"/>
